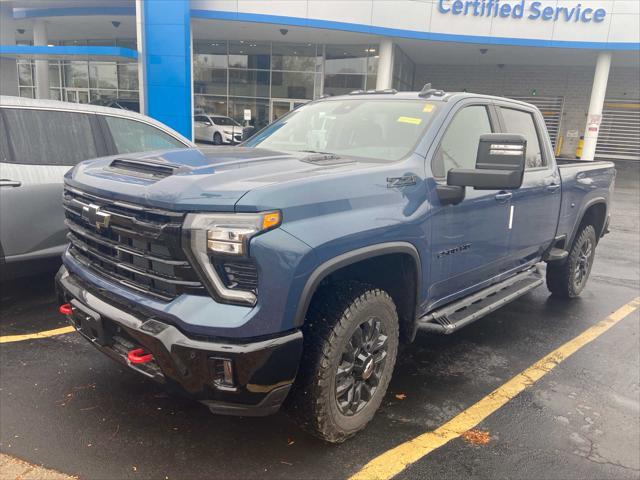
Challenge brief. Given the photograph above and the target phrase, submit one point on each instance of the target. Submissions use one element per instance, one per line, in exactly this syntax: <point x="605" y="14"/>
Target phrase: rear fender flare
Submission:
<point x="581" y="215"/>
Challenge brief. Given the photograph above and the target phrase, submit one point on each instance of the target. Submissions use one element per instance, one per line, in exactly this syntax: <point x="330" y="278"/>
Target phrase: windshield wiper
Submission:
<point x="319" y="153"/>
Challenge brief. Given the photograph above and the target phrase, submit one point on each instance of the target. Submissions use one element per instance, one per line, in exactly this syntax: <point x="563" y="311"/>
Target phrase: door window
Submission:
<point x="518" y="121"/>
<point x="201" y="119"/>
<point x="459" y="145"/>
<point x="131" y="136"/>
<point x="47" y="137"/>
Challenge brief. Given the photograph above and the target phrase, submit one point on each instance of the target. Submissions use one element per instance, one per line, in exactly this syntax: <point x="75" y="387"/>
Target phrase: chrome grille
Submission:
<point x="134" y="246"/>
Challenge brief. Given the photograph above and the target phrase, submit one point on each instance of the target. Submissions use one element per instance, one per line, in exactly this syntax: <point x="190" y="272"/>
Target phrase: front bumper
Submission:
<point x="263" y="371"/>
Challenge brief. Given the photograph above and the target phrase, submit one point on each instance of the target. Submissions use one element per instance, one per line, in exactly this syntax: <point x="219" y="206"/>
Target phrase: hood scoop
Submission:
<point x="143" y="168"/>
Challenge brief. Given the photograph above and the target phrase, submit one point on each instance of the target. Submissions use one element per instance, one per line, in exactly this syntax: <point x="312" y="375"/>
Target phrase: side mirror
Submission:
<point x="500" y="164"/>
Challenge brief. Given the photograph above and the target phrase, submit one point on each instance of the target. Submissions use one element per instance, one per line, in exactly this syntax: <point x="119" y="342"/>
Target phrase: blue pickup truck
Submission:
<point x="289" y="269"/>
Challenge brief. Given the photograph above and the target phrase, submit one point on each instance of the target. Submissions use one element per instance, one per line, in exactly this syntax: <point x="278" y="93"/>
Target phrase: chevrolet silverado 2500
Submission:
<point x="289" y="269"/>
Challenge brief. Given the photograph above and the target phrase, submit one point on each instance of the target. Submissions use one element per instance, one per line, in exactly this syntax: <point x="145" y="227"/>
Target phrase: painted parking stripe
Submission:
<point x="394" y="461"/>
<point x="31" y="336"/>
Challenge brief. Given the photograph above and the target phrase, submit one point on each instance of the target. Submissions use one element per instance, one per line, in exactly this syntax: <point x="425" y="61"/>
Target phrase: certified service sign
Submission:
<point x="530" y="10"/>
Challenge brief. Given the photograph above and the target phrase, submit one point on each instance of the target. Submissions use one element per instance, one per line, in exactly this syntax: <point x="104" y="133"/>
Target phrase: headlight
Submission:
<point x="224" y="235"/>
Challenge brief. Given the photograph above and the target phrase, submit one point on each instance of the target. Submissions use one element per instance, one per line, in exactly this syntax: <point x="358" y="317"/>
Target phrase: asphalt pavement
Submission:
<point x="66" y="406"/>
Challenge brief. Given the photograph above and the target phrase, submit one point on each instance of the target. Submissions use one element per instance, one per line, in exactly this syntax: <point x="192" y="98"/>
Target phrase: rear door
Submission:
<point x="469" y="241"/>
<point x="39" y="147"/>
<point x="535" y="207"/>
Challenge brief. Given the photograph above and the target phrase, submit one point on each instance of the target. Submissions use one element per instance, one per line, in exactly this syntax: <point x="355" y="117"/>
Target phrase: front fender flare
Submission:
<point x="349" y="258"/>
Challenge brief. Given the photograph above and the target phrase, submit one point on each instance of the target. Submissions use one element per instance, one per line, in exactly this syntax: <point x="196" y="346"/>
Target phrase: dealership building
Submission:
<point x="254" y="60"/>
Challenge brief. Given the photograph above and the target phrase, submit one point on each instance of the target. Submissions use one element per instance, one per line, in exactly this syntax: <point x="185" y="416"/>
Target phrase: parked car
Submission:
<point x="40" y="141"/>
<point x="130" y="104"/>
<point x="217" y="129"/>
<point x="293" y="266"/>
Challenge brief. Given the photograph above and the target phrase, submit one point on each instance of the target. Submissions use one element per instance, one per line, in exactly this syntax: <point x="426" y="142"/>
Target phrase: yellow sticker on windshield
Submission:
<point x="411" y="120"/>
<point x="428" y="107"/>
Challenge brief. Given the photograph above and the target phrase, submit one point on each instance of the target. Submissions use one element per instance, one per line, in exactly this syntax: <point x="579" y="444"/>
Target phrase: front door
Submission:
<point x="280" y="107"/>
<point x="469" y="241"/>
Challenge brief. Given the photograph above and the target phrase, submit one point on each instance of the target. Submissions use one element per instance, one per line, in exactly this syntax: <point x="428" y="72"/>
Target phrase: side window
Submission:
<point x="131" y="136"/>
<point x="200" y="118"/>
<point x="4" y="142"/>
<point x="47" y="137"/>
<point x="518" y="121"/>
<point x="459" y="145"/>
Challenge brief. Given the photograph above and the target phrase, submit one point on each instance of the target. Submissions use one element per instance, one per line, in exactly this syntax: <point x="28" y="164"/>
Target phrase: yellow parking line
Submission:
<point x="394" y="461"/>
<point x="31" y="336"/>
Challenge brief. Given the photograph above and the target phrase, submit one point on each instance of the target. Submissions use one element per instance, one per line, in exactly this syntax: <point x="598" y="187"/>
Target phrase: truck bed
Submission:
<point x="584" y="184"/>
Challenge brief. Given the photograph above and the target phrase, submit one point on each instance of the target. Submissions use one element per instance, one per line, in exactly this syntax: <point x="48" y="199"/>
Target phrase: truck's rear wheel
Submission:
<point x="569" y="279"/>
<point x="350" y="347"/>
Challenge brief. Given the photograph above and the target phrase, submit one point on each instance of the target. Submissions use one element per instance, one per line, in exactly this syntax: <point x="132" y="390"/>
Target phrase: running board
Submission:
<point x="456" y="315"/>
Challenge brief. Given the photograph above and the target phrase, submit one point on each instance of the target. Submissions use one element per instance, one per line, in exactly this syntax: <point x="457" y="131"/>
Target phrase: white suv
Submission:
<point x="217" y="129"/>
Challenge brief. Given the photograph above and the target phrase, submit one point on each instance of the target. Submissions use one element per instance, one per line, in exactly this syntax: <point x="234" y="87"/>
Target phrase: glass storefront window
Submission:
<point x="28" y="92"/>
<point x="343" y="84"/>
<point x="249" y="54"/>
<point x="292" y="85"/>
<point x="210" y="104"/>
<point x="128" y="76"/>
<point x="249" y="83"/>
<point x="210" y="54"/>
<point x="210" y="81"/>
<point x="25" y="74"/>
<point x="54" y="75"/>
<point x="259" y="111"/>
<point x="76" y="74"/>
<point x="103" y="95"/>
<point x="295" y="57"/>
<point x="103" y="75"/>
<point x="346" y="59"/>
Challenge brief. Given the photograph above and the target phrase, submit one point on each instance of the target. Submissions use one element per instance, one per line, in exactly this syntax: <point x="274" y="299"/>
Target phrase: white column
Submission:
<point x="142" y="72"/>
<point x="385" y="65"/>
<point x="42" y="66"/>
<point x="594" y="117"/>
<point x="8" y="68"/>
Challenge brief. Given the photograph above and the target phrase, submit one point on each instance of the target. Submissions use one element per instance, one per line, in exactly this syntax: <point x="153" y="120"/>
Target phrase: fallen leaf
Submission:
<point x="476" y="437"/>
<point x="400" y="396"/>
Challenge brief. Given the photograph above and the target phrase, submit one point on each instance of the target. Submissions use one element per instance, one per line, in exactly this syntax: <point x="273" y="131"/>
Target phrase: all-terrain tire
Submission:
<point x="337" y="310"/>
<point x="569" y="279"/>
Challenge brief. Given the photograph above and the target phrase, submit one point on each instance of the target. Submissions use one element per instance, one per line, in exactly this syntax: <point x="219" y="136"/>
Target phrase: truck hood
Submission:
<point x="210" y="179"/>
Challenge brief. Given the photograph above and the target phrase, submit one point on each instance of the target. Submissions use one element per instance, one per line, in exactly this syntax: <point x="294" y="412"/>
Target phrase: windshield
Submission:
<point x="225" y="121"/>
<point x="373" y="129"/>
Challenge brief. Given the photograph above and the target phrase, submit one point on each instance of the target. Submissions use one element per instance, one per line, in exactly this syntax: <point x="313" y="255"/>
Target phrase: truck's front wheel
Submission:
<point x="569" y="279"/>
<point x="350" y="347"/>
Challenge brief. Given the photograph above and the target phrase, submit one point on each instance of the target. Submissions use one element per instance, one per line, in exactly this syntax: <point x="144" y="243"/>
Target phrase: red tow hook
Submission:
<point x="65" y="309"/>
<point x="139" y="355"/>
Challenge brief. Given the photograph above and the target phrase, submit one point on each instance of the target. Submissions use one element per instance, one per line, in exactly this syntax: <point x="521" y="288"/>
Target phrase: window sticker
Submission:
<point x="429" y="107"/>
<point x="411" y="120"/>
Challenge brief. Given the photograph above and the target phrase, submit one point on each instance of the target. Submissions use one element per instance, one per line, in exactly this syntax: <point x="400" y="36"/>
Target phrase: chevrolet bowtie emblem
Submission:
<point x="92" y="214"/>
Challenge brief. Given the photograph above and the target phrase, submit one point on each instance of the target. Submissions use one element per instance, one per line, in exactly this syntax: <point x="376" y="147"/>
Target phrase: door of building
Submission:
<point x="76" y="95"/>
<point x="619" y="135"/>
<point x="282" y="106"/>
